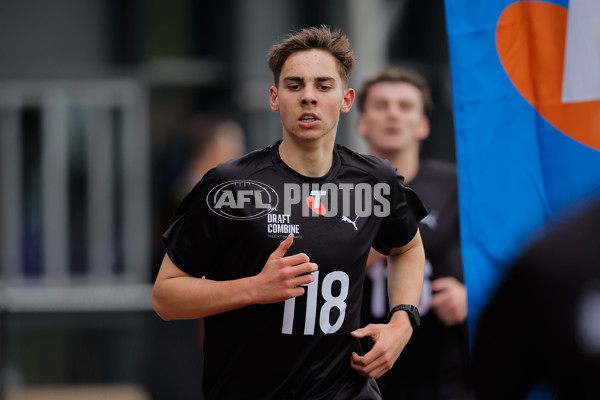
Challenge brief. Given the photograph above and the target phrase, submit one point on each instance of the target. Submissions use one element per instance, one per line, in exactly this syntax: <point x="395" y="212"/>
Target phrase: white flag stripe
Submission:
<point x="581" y="73"/>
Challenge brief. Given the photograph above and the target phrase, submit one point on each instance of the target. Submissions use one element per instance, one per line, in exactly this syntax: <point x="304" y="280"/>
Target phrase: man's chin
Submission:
<point x="388" y="146"/>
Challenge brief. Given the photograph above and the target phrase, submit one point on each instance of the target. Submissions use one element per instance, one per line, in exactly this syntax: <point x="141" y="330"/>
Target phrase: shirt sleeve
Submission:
<point x="400" y="226"/>
<point x="191" y="240"/>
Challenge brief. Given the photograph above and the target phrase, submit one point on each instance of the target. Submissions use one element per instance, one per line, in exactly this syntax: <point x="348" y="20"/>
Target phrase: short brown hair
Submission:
<point x="397" y="75"/>
<point x="336" y="43"/>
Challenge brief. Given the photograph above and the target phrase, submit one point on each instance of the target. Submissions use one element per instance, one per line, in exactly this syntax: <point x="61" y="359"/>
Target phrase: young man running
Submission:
<point x="262" y="247"/>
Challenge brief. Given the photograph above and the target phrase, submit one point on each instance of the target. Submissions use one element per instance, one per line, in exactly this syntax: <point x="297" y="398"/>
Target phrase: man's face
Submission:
<point x="393" y="118"/>
<point x="310" y="96"/>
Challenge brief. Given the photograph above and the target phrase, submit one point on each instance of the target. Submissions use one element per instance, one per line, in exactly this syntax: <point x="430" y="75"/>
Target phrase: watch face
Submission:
<point x="416" y="316"/>
<point x="413" y="313"/>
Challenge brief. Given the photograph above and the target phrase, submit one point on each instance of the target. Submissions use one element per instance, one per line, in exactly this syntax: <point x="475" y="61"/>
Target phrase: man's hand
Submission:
<point x="389" y="339"/>
<point x="449" y="300"/>
<point x="281" y="277"/>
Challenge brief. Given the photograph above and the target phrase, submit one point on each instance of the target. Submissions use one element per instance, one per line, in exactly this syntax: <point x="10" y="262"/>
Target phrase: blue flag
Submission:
<point x="526" y="98"/>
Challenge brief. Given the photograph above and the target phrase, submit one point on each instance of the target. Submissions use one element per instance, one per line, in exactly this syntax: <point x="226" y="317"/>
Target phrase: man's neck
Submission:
<point x="308" y="158"/>
<point x="406" y="161"/>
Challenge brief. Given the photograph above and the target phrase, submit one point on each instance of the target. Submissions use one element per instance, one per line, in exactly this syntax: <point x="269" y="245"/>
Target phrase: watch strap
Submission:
<point x="409" y="308"/>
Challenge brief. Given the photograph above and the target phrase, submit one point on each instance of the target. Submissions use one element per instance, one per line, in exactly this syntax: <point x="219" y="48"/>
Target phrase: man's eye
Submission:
<point x="325" y="88"/>
<point x="293" y="87"/>
<point x="406" y="106"/>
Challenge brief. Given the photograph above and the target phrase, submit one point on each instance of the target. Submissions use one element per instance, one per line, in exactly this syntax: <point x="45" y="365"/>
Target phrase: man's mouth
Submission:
<point x="308" y="119"/>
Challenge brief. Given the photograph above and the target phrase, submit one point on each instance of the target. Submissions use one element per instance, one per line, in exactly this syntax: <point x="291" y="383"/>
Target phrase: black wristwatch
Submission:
<point x="413" y="313"/>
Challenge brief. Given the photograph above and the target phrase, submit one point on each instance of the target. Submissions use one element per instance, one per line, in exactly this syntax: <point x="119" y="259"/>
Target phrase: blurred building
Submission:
<point x="92" y="97"/>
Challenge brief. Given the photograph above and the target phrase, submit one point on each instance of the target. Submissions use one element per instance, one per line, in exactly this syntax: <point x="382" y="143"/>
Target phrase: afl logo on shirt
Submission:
<point x="242" y="199"/>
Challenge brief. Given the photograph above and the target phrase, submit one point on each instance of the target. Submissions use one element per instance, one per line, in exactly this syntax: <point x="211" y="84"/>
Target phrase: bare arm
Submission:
<point x="406" y="267"/>
<point x="178" y="295"/>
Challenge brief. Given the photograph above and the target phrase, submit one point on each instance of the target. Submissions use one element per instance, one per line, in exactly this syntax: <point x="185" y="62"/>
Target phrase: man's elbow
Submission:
<point x="159" y="306"/>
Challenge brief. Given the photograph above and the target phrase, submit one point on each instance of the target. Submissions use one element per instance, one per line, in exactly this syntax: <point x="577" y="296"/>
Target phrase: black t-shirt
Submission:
<point x="231" y="222"/>
<point x="435" y="362"/>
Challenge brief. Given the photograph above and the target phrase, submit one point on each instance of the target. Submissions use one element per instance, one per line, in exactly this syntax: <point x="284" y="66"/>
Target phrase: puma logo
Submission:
<point x="348" y="220"/>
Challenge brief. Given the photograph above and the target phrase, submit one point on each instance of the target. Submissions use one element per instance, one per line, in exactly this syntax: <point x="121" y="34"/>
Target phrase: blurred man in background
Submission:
<point x="543" y="323"/>
<point x="204" y="141"/>
<point x="435" y="363"/>
<point x="210" y="141"/>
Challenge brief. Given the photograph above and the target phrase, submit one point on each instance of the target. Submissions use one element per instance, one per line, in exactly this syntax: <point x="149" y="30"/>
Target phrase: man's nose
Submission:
<point x="309" y="96"/>
<point x="394" y="112"/>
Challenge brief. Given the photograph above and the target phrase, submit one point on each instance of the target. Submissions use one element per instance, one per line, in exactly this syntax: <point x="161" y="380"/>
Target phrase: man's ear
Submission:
<point x="424" y="128"/>
<point x="273" y="99"/>
<point x="347" y="101"/>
